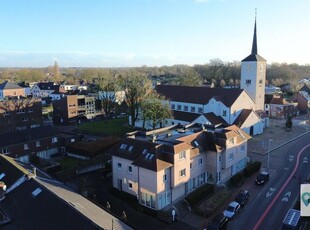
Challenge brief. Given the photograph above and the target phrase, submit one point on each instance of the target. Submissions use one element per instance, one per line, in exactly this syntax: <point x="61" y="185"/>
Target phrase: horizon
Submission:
<point x="152" y="33"/>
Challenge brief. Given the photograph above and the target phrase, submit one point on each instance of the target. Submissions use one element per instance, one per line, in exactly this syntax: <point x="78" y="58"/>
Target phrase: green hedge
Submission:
<point x="252" y="168"/>
<point x="195" y="197"/>
<point x="237" y="179"/>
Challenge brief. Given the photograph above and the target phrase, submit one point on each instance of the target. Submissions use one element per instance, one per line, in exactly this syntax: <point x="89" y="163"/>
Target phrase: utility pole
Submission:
<point x="268" y="156"/>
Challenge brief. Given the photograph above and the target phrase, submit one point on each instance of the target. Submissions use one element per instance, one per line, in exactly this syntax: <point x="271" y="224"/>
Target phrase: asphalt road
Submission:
<point x="268" y="208"/>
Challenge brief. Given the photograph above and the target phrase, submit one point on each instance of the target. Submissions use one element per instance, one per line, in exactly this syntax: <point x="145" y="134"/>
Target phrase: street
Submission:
<point x="277" y="196"/>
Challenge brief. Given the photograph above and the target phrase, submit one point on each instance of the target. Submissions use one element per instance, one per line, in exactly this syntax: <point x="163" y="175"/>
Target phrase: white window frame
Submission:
<point x="182" y="155"/>
<point x="38" y="143"/>
<point x="119" y="165"/>
<point x="200" y="161"/>
<point x="130" y="185"/>
<point x="182" y="172"/>
<point x="165" y="178"/>
<point x="129" y="168"/>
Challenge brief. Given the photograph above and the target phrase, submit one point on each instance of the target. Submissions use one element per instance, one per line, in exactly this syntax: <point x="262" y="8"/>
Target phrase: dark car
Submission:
<point x="218" y="222"/>
<point x="262" y="178"/>
<point x="242" y="197"/>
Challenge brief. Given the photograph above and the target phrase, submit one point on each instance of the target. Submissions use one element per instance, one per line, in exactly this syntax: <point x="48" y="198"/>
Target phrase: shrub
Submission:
<point x="195" y="197"/>
<point x="252" y="168"/>
<point x="237" y="179"/>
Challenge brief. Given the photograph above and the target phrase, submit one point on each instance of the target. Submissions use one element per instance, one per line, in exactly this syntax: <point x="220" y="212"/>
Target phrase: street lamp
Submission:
<point x="268" y="157"/>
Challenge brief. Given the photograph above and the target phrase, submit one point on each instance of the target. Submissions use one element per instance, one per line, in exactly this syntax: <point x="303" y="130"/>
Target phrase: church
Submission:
<point x="215" y="107"/>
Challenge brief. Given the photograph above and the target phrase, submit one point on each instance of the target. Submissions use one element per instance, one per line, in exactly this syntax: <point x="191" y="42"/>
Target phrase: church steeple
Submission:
<point x="254" y="44"/>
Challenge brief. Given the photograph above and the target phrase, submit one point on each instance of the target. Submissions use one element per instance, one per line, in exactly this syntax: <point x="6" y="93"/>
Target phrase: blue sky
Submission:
<point x="117" y="33"/>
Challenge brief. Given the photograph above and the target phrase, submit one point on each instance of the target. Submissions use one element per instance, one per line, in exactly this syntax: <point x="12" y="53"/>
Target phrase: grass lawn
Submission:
<point x="68" y="162"/>
<point x="117" y="127"/>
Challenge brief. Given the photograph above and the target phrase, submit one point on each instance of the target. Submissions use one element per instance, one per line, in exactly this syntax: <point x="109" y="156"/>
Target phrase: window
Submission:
<point x="165" y="178"/>
<point x="25" y="119"/>
<point x="182" y="155"/>
<point x="193" y="109"/>
<point x="190" y="166"/>
<point x="119" y="165"/>
<point x="130" y="185"/>
<point x="179" y="107"/>
<point x="231" y="157"/>
<point x="54" y="140"/>
<point x="5" y="151"/>
<point x="38" y="144"/>
<point x="130" y="168"/>
<point x="26" y="146"/>
<point x="123" y="146"/>
<point x="30" y="110"/>
<point x="185" y="108"/>
<point x="130" y="148"/>
<point x="6" y="113"/>
<point x="182" y="172"/>
<point x="224" y="113"/>
<point x="200" y="161"/>
<point x="242" y="148"/>
<point x="232" y="140"/>
<point x="200" y="110"/>
<point x="173" y="106"/>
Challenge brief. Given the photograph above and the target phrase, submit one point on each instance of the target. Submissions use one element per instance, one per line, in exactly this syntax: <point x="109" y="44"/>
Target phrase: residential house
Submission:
<point x="22" y="145"/>
<point x="279" y="107"/>
<point x="164" y="165"/>
<point x="303" y="99"/>
<point x="33" y="200"/>
<point x="43" y="89"/>
<point x="9" y="89"/>
<point x="26" y="87"/>
<point x="20" y="114"/>
<point x="71" y="108"/>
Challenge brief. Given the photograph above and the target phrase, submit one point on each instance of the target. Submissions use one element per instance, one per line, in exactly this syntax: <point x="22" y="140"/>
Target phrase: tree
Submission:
<point x="155" y="110"/>
<point x="189" y="77"/>
<point x="136" y="86"/>
<point x="56" y="72"/>
<point x="107" y="86"/>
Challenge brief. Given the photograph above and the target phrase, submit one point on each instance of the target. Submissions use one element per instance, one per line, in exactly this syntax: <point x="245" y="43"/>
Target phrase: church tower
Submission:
<point x="253" y="75"/>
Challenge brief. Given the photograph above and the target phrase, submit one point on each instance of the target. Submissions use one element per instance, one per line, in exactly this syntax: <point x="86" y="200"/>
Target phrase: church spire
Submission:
<point x="254" y="44"/>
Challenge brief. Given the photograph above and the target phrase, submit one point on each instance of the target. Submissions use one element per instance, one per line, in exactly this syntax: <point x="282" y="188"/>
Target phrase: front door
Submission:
<point x="119" y="184"/>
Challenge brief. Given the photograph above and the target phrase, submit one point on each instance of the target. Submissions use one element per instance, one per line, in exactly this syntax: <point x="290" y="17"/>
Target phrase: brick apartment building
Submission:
<point x="71" y="108"/>
<point x="20" y="114"/>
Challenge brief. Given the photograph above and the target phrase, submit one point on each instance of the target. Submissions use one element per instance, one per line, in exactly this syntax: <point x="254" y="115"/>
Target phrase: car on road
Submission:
<point x="218" y="222"/>
<point x="262" y="178"/>
<point x="231" y="210"/>
<point x="242" y="197"/>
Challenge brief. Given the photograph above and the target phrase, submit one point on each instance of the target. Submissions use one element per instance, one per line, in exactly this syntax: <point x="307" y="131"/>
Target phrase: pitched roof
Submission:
<point x="24" y="136"/>
<point x="245" y="113"/>
<point x="305" y="88"/>
<point x="44" y="203"/>
<point x="190" y="117"/>
<point x="9" y="173"/>
<point x="9" y="85"/>
<point x="254" y="56"/>
<point x="198" y="95"/>
<point x="47" y="86"/>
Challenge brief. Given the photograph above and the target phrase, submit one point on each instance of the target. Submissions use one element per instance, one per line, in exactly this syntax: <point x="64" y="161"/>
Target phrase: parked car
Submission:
<point x="231" y="210"/>
<point x="242" y="197"/>
<point x="218" y="222"/>
<point x="262" y="178"/>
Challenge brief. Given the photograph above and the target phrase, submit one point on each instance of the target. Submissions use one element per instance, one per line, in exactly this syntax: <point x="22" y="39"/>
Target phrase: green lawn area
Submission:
<point x="117" y="127"/>
<point x="68" y="162"/>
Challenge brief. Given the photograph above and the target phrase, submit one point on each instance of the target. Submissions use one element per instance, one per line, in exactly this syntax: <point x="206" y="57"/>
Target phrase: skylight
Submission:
<point x="130" y="148"/>
<point x="196" y="143"/>
<point x="36" y="192"/>
<point x="123" y="146"/>
<point x="2" y="175"/>
<point x="144" y="151"/>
